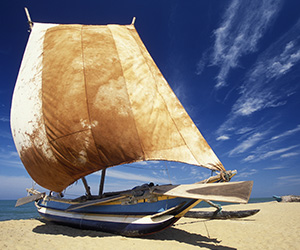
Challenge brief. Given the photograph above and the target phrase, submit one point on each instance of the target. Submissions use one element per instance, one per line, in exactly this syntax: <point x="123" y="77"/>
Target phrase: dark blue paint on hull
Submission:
<point x="58" y="213"/>
<point x="126" y="229"/>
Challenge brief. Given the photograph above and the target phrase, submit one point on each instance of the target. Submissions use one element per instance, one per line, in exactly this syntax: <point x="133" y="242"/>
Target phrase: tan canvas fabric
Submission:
<point x="96" y="99"/>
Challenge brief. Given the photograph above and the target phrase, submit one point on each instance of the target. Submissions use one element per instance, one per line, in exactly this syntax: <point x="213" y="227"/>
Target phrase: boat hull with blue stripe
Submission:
<point x="130" y="220"/>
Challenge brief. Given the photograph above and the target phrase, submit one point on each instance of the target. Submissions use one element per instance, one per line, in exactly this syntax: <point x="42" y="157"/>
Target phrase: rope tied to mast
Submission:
<point x="225" y="176"/>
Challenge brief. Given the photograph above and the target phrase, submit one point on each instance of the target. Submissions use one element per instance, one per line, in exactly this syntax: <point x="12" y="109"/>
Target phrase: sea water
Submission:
<point x="8" y="211"/>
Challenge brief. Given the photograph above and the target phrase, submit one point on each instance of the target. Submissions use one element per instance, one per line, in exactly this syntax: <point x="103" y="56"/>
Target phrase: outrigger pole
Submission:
<point x="30" y="23"/>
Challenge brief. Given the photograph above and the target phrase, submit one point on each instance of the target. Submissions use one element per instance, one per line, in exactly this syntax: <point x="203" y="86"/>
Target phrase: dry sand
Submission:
<point x="276" y="226"/>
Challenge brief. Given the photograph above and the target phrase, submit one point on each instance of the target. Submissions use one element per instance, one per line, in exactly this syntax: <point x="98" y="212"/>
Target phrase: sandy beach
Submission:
<point x="276" y="226"/>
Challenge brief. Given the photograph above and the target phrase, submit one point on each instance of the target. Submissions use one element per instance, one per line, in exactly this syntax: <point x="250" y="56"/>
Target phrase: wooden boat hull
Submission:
<point x="287" y="198"/>
<point x="128" y="220"/>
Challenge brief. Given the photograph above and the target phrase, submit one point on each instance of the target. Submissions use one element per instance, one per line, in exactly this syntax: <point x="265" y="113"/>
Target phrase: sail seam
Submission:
<point x="60" y="137"/>
<point x="86" y="94"/>
<point x="154" y="77"/>
<point x="137" y="132"/>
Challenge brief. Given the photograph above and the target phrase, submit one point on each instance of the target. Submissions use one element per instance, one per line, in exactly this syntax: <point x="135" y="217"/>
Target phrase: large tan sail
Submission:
<point x="91" y="97"/>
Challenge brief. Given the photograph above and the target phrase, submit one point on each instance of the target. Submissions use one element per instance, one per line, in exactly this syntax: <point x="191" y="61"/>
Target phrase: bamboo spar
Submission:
<point x="28" y="18"/>
<point x="133" y="21"/>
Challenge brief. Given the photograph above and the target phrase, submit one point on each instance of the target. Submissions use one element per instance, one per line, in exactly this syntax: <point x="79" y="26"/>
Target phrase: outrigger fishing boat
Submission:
<point x="90" y="97"/>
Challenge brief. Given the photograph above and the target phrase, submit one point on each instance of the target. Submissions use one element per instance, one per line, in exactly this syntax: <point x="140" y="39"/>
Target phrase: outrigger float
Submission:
<point x="90" y="97"/>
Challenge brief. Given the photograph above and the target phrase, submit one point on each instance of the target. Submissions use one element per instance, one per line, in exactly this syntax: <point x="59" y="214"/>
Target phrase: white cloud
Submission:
<point x="244" y="23"/>
<point x="276" y="152"/>
<point x="11" y="163"/>
<point x="290" y="177"/>
<point x="264" y="86"/>
<point x="290" y="180"/>
<point x="264" y="155"/>
<point x="4" y="119"/>
<point x="249" y="158"/>
<point x="223" y="138"/>
<point x="248" y="107"/>
<point x="287" y="133"/>
<point x="129" y="176"/>
<point x="201" y="64"/>
<point x="283" y="62"/>
<point x="275" y="168"/>
<point x="245" y="174"/>
<point x="244" y="130"/>
<point x="289" y="155"/>
<point x="9" y="158"/>
<point x="248" y="143"/>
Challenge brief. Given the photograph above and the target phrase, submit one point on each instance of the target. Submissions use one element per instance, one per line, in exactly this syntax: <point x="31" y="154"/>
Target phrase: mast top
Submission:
<point x="133" y="20"/>
<point x="30" y="23"/>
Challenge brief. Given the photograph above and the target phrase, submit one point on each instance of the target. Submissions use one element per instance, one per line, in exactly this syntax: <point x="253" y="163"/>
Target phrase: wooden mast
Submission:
<point x="86" y="186"/>
<point x="29" y="19"/>
<point x="102" y="182"/>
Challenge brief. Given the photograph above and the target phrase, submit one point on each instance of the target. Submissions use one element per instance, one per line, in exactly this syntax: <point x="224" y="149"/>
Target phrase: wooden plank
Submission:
<point x="221" y="215"/>
<point x="95" y="202"/>
<point x="30" y="198"/>
<point x="235" y="192"/>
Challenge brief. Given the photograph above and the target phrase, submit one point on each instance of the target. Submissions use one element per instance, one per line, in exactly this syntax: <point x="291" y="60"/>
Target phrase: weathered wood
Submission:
<point x="221" y="215"/>
<point x="235" y="192"/>
<point x="29" y="199"/>
<point x="217" y="206"/>
<point x="86" y="186"/>
<point x="95" y="202"/>
<point x="133" y="21"/>
<point x="217" y="177"/>
<point x="30" y="23"/>
<point x="102" y="182"/>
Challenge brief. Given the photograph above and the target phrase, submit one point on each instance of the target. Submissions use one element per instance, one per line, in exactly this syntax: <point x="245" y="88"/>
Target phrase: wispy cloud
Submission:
<point x="4" y="119"/>
<point x="289" y="180"/>
<point x="9" y="158"/>
<point x="244" y="23"/>
<point x="287" y="133"/>
<point x="274" y="168"/>
<point x="261" y="89"/>
<point x="11" y="163"/>
<point x="5" y="134"/>
<point x="246" y="173"/>
<point x="288" y="155"/>
<point x="243" y="130"/>
<point x="246" y="144"/>
<point x="264" y="85"/>
<point x="136" y="177"/>
<point x="264" y="155"/>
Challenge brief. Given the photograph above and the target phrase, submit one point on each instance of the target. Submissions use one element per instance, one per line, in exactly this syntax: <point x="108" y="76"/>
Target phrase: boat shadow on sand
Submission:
<point x="170" y="234"/>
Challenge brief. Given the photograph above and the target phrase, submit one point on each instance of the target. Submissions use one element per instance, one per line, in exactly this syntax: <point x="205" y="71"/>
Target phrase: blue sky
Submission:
<point x="234" y="65"/>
